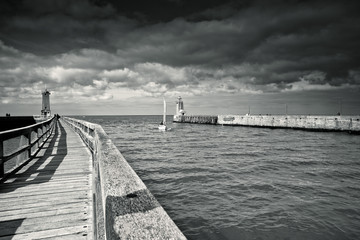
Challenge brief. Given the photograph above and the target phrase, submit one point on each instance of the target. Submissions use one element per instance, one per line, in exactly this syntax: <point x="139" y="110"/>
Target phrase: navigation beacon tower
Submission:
<point x="179" y="109"/>
<point x="45" y="111"/>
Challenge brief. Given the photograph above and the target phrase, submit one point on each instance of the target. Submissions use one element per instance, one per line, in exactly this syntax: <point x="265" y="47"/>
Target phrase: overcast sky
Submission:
<point x="121" y="57"/>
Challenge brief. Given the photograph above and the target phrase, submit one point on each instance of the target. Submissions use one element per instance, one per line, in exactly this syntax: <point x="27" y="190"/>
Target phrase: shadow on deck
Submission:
<point x="51" y="196"/>
<point x="35" y="172"/>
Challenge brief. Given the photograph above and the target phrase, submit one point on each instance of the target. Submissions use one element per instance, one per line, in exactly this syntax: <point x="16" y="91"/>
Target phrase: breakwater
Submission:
<point x="196" y="119"/>
<point x="8" y="123"/>
<point x="124" y="207"/>
<point x="313" y="123"/>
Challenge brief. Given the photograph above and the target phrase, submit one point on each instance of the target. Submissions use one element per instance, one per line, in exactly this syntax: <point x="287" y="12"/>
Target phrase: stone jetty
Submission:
<point x="315" y="123"/>
<point x="196" y="119"/>
<point x="349" y="124"/>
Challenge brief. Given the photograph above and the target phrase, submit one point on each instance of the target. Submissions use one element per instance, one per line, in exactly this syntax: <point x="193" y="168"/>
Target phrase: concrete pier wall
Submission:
<point x="125" y="208"/>
<point x="320" y="123"/>
<point x="196" y="119"/>
<point x="8" y="123"/>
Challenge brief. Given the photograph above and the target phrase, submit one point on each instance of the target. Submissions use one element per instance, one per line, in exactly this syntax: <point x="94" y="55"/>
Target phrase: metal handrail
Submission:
<point x="46" y="131"/>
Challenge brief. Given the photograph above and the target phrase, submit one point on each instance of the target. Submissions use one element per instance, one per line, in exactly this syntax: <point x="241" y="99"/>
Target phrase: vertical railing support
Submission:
<point x="2" y="171"/>
<point x="37" y="137"/>
<point x="46" y="130"/>
<point x="29" y="142"/>
<point x="21" y="156"/>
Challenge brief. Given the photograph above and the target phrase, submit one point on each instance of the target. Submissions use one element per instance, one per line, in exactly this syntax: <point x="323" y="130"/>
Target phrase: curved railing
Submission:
<point x="86" y="131"/>
<point x="31" y="139"/>
<point x="124" y="207"/>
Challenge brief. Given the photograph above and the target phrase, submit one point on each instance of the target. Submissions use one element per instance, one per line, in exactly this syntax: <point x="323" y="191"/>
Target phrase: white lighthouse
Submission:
<point x="45" y="111"/>
<point x="179" y="110"/>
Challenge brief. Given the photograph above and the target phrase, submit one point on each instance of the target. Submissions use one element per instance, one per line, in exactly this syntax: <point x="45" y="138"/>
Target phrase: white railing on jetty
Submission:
<point x="25" y="138"/>
<point x="124" y="207"/>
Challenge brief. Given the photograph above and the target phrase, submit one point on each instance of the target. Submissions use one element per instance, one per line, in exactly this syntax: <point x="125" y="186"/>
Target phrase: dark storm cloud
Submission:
<point x="303" y="36"/>
<point x="55" y="26"/>
<point x="177" y="45"/>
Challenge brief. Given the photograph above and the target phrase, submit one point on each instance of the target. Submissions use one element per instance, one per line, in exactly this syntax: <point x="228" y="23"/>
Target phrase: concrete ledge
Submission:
<point x="129" y="210"/>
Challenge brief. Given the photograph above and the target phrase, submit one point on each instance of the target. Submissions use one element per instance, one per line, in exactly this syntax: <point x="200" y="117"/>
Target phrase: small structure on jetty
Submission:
<point x="179" y="110"/>
<point x="45" y="111"/>
<point x="182" y="118"/>
<point x="13" y="122"/>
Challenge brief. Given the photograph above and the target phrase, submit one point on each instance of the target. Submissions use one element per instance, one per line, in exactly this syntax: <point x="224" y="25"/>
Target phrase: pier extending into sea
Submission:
<point x="349" y="124"/>
<point x="67" y="180"/>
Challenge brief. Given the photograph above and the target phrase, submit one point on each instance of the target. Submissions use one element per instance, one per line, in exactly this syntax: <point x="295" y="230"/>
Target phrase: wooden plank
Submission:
<point x="52" y="176"/>
<point x="44" y="191"/>
<point x="79" y="204"/>
<point x="37" y="224"/>
<point x="67" y="237"/>
<point x="38" y="204"/>
<point x="36" y="184"/>
<point x="75" y="230"/>
<point x="41" y="201"/>
<point x="49" y="212"/>
<point x="43" y="187"/>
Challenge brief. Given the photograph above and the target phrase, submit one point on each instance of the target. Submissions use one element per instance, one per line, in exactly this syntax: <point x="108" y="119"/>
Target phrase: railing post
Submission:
<point x="43" y="131"/>
<point x="37" y="137"/>
<point x="52" y="124"/>
<point x="46" y="129"/>
<point x="29" y="142"/>
<point x="21" y="156"/>
<point x="2" y="171"/>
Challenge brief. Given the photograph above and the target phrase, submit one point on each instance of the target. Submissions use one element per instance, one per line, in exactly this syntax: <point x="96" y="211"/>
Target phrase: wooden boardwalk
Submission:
<point x="51" y="197"/>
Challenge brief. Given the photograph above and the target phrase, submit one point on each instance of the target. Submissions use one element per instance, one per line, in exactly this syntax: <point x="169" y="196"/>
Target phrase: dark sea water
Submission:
<point x="222" y="182"/>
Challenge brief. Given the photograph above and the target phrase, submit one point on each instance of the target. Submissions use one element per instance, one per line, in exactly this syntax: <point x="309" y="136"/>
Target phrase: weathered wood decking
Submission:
<point x="51" y="197"/>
